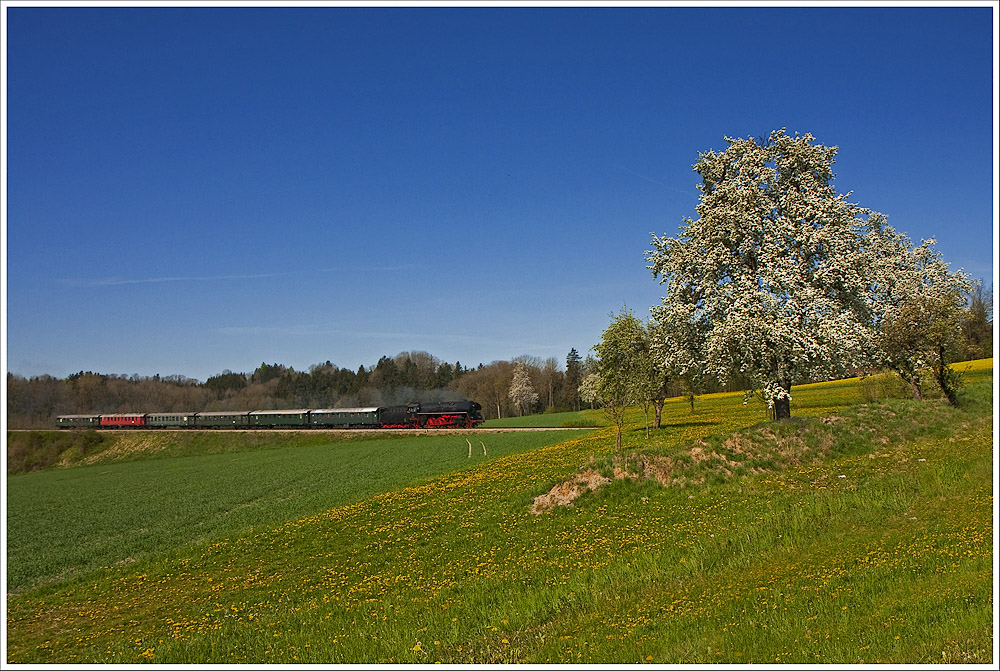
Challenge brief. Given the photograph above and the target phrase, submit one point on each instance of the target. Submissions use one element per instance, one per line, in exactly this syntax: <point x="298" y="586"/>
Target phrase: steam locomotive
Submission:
<point x="441" y="414"/>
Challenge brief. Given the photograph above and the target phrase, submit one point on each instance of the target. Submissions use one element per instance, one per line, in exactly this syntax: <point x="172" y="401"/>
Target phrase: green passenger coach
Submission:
<point x="78" y="421"/>
<point x="222" y="420"/>
<point x="345" y="418"/>
<point x="169" y="420"/>
<point x="273" y="418"/>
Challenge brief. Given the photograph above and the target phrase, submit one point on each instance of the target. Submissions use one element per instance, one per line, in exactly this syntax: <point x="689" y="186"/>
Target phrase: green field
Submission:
<point x="582" y="419"/>
<point x="863" y="538"/>
<point x="149" y="492"/>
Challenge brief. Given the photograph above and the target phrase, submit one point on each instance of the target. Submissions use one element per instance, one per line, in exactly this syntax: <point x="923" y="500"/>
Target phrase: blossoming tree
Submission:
<point x="772" y="280"/>
<point x="919" y="305"/>
<point x="521" y="392"/>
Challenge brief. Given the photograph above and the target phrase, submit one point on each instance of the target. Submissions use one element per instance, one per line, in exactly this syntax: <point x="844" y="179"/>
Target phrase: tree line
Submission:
<point x="407" y="377"/>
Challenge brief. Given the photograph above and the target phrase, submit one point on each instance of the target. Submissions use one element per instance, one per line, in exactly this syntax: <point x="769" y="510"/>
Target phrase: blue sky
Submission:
<point x="197" y="189"/>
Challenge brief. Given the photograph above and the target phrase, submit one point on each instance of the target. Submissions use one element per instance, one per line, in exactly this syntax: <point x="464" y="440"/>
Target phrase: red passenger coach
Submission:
<point x="124" y="420"/>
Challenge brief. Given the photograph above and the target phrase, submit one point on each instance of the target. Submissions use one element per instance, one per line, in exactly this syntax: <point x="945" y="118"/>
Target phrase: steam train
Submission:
<point x="441" y="414"/>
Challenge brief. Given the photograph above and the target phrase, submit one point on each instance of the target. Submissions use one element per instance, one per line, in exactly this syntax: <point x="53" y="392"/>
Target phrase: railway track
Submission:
<point x="407" y="432"/>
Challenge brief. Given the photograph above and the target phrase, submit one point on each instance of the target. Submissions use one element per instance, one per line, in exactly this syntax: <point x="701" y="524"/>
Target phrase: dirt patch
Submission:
<point x="568" y="491"/>
<point x="668" y="471"/>
<point x="738" y="444"/>
<point x="756" y="450"/>
<point x="661" y="469"/>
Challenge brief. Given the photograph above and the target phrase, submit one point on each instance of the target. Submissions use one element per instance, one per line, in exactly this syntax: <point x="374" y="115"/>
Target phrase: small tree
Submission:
<point x="919" y="309"/>
<point x="573" y="378"/>
<point x="521" y="392"/>
<point x="588" y="389"/>
<point x="977" y="323"/>
<point x="551" y="378"/>
<point x="623" y="368"/>
<point x="944" y="336"/>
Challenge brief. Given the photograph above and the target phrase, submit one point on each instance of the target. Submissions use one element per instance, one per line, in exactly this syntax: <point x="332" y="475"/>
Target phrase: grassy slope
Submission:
<point x="64" y="522"/>
<point x="890" y="562"/>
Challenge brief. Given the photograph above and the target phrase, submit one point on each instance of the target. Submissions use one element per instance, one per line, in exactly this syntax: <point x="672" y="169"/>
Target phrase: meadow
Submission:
<point x="582" y="419"/>
<point x="148" y="491"/>
<point x="873" y="546"/>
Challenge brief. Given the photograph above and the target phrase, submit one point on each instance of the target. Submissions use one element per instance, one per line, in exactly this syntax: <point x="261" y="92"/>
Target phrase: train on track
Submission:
<point x="441" y="414"/>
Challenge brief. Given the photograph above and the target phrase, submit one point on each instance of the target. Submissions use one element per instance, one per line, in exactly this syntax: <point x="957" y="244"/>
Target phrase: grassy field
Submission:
<point x="870" y="541"/>
<point x="150" y="491"/>
<point x="584" y="418"/>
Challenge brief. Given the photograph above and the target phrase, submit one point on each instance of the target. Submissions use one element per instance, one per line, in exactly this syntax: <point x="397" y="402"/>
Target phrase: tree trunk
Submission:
<point x="912" y="379"/>
<point x="946" y="378"/>
<point x="783" y="405"/>
<point x="658" y="412"/>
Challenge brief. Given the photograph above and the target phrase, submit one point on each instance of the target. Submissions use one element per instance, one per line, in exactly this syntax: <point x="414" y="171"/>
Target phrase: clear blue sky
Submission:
<point x="193" y="190"/>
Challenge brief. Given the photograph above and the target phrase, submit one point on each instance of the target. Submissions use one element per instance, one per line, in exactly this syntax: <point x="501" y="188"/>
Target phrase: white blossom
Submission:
<point x="588" y="388"/>
<point x="916" y="304"/>
<point x="772" y="279"/>
<point x="521" y="391"/>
